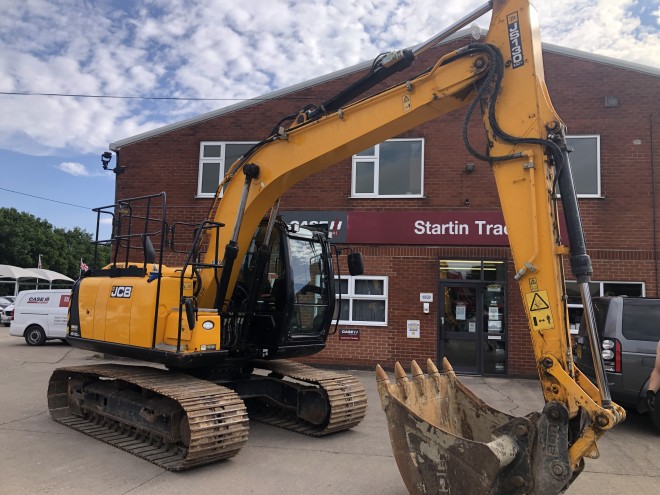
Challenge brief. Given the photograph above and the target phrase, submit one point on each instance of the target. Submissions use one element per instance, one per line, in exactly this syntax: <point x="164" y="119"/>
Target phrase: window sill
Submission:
<point x="374" y="196"/>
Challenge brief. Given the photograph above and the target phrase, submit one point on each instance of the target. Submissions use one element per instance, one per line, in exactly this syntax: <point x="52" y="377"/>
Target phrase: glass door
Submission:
<point x="472" y="312"/>
<point x="460" y="326"/>
<point x="472" y="327"/>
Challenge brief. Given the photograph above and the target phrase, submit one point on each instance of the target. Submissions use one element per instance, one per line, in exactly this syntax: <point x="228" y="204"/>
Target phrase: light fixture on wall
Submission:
<point x="469" y="167"/>
<point x="106" y="156"/>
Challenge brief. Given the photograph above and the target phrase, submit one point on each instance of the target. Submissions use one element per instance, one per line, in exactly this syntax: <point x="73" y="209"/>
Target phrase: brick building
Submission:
<point x="427" y="276"/>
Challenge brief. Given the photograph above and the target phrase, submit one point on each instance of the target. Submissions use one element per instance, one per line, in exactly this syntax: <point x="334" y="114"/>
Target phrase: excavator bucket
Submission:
<point x="448" y="441"/>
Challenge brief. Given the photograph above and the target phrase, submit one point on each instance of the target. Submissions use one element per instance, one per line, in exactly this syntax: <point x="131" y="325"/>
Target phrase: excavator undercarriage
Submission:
<point x="177" y="421"/>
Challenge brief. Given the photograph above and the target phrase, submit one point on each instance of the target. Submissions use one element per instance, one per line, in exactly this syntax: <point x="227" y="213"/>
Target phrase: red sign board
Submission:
<point x="466" y="228"/>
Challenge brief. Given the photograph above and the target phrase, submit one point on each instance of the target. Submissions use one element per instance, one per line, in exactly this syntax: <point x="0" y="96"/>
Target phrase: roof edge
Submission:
<point x="602" y="59"/>
<point x="569" y="52"/>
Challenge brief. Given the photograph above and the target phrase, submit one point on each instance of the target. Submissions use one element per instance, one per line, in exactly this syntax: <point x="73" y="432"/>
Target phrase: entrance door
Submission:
<point x="472" y="327"/>
<point x="460" y="326"/>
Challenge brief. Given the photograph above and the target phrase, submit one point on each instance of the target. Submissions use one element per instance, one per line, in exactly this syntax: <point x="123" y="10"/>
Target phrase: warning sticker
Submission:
<point x="539" y="310"/>
<point x="538" y="301"/>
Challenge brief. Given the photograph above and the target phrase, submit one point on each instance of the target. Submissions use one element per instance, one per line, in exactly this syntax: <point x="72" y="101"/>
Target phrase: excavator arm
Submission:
<point x="542" y="453"/>
<point x="436" y="445"/>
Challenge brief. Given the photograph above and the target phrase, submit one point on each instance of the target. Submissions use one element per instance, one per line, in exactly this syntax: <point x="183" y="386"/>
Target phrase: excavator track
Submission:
<point x="347" y="399"/>
<point x="214" y="419"/>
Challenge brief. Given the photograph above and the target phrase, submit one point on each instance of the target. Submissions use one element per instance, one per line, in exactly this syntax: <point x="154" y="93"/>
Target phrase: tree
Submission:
<point x="23" y="237"/>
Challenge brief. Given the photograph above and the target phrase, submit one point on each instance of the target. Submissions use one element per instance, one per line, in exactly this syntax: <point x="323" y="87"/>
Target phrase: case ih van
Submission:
<point x="40" y="315"/>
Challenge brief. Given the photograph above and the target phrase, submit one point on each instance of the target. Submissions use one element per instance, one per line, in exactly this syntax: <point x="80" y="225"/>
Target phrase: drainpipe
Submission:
<point x="655" y="212"/>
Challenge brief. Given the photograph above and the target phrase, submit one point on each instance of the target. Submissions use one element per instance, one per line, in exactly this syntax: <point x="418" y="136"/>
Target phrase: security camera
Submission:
<point x="105" y="159"/>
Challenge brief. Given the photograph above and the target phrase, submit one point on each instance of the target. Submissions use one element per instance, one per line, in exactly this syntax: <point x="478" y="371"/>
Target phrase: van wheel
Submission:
<point x="35" y="335"/>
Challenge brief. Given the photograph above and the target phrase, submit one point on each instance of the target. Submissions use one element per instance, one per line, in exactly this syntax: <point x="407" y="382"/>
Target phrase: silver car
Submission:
<point x="5" y="315"/>
<point x="629" y="329"/>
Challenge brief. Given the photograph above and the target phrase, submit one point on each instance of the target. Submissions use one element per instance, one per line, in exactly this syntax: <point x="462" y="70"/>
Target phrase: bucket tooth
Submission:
<point x="381" y="376"/>
<point x="415" y="369"/>
<point x="446" y="366"/>
<point x="399" y="372"/>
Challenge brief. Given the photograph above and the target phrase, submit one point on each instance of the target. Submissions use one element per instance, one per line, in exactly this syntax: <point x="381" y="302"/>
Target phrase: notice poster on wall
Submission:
<point x="460" y="311"/>
<point x="413" y="329"/>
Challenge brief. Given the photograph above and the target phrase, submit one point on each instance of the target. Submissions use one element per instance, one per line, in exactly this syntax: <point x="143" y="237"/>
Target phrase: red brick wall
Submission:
<point x="618" y="226"/>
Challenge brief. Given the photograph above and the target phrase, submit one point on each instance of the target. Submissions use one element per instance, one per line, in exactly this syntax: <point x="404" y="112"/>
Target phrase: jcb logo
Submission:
<point x="121" y="291"/>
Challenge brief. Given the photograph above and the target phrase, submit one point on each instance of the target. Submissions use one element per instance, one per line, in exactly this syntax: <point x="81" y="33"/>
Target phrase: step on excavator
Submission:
<point x="218" y="333"/>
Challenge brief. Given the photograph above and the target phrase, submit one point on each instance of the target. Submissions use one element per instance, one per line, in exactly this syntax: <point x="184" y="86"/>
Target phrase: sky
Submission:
<point x="206" y="54"/>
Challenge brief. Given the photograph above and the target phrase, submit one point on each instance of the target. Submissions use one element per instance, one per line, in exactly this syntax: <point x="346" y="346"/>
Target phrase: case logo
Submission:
<point x="121" y="291"/>
<point x="515" y="45"/>
<point x="38" y="300"/>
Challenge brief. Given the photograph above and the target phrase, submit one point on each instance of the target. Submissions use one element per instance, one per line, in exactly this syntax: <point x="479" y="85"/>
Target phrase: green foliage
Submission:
<point x="23" y="237"/>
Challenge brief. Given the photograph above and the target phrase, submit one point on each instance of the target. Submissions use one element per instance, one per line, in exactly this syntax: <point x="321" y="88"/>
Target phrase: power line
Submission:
<point x="118" y="97"/>
<point x="45" y="199"/>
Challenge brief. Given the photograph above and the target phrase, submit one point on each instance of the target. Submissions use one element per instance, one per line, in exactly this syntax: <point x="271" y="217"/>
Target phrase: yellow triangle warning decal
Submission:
<point x="538" y="303"/>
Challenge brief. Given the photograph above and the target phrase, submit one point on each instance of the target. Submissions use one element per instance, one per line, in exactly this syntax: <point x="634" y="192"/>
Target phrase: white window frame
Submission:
<point x="351" y="296"/>
<point x="601" y="293"/>
<point x="598" y="193"/>
<point x="221" y="160"/>
<point x="375" y="160"/>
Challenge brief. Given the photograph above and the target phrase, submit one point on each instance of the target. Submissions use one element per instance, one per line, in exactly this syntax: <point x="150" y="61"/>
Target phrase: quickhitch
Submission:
<point x="448" y="441"/>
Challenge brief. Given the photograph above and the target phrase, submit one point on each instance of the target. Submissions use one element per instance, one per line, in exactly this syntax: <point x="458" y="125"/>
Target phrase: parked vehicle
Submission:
<point x="629" y="330"/>
<point x="6" y="314"/>
<point x="5" y="302"/>
<point x="40" y="315"/>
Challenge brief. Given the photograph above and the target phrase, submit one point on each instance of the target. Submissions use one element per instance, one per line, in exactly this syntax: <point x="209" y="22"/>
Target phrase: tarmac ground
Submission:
<point x="39" y="456"/>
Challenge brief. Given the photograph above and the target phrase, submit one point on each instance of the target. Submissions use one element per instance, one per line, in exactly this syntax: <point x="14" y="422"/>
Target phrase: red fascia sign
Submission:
<point x="432" y="228"/>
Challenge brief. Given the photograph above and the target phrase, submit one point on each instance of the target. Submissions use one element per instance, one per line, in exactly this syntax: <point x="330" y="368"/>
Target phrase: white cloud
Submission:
<point x="73" y="168"/>
<point x="219" y="49"/>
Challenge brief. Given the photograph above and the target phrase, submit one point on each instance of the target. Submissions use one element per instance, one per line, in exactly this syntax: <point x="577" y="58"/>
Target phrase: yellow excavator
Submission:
<point x="254" y="292"/>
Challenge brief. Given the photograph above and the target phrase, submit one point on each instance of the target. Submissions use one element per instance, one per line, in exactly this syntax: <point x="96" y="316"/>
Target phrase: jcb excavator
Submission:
<point x="254" y="291"/>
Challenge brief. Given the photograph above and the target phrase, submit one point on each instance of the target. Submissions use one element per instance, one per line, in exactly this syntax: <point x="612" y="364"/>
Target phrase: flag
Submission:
<point x="39" y="263"/>
<point x="83" y="266"/>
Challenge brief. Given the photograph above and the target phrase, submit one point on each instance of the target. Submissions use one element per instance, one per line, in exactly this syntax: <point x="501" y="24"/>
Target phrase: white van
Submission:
<point x="40" y="315"/>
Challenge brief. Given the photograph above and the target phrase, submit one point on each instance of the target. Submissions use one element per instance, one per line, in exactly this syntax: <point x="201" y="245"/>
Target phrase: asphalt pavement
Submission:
<point x="39" y="456"/>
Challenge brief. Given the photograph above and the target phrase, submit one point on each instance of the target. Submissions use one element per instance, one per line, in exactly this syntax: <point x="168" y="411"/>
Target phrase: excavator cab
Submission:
<point x="284" y="298"/>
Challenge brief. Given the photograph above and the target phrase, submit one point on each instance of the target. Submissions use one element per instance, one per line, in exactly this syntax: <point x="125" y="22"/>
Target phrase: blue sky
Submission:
<point x="50" y="146"/>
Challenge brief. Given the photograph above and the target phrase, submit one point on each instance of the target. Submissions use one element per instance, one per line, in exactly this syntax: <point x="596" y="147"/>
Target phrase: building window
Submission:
<point x="585" y="163"/>
<point x="392" y="169"/>
<point x="215" y="158"/>
<point x="363" y="300"/>
<point x="597" y="289"/>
